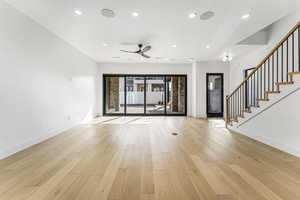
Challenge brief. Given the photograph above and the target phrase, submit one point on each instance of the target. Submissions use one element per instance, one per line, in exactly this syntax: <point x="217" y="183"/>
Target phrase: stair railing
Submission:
<point x="274" y="70"/>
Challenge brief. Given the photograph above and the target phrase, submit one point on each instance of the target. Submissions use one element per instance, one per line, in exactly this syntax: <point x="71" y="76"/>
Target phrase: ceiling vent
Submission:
<point x="207" y="15"/>
<point x="108" y="13"/>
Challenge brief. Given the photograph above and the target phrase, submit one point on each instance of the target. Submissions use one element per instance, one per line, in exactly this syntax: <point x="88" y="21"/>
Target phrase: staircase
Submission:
<point x="274" y="78"/>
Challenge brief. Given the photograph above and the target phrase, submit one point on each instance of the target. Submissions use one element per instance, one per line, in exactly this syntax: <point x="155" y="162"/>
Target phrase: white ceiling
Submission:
<point x="161" y="23"/>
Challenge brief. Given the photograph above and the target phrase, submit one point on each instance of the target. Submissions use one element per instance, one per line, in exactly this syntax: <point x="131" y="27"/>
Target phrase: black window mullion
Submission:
<point x="125" y="95"/>
<point x="145" y="96"/>
<point x="165" y="95"/>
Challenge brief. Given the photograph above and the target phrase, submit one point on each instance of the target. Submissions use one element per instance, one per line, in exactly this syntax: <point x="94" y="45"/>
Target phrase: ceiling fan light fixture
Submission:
<point x="227" y="58"/>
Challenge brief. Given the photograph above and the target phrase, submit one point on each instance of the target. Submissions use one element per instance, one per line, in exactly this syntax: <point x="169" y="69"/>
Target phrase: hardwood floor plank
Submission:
<point x="138" y="158"/>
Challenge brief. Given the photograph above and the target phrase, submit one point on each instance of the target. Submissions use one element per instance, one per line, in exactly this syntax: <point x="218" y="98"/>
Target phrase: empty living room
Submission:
<point x="149" y="100"/>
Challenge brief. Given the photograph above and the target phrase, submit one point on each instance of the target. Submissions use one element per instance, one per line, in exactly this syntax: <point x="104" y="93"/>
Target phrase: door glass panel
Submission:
<point x="114" y="97"/>
<point x="135" y="95"/>
<point x="176" y="91"/>
<point x="155" y="98"/>
<point x="215" y="95"/>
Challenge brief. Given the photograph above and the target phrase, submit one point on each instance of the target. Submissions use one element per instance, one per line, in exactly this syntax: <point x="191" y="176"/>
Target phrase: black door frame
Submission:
<point x="145" y="92"/>
<point x="207" y="96"/>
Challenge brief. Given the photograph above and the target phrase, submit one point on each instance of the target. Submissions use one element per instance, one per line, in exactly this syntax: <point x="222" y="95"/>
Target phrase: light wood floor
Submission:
<point x="139" y="158"/>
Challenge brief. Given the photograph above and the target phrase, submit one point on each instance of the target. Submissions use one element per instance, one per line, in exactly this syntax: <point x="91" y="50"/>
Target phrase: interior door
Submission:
<point x="215" y="94"/>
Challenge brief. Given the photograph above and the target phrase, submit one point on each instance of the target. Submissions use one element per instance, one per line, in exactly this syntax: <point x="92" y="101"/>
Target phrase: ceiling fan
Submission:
<point x="141" y="50"/>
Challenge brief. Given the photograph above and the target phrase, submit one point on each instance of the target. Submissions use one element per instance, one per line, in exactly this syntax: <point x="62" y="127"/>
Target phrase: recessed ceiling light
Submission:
<point x="174" y="45"/>
<point x="78" y="12"/>
<point x="135" y="14"/>
<point x="107" y="13"/>
<point x="208" y="46"/>
<point x="246" y="16"/>
<point x="105" y="45"/>
<point x="192" y="15"/>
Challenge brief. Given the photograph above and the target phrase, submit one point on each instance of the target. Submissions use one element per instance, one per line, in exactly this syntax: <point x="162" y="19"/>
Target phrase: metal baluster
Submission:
<point x="261" y="96"/>
<point x="233" y="104"/>
<point x="257" y="86"/>
<point x="239" y="97"/>
<point x="287" y="60"/>
<point x="282" y="63"/>
<point x="253" y="90"/>
<point x="268" y="74"/>
<point x="264" y="80"/>
<point x="272" y="72"/>
<point x="299" y="49"/>
<point x="250" y="92"/>
<point x="243" y="98"/>
<point x="293" y="52"/>
<point x="231" y="111"/>
<point x="277" y="64"/>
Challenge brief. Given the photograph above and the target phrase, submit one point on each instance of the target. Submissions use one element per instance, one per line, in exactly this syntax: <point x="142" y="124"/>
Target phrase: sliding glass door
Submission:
<point x="135" y="97"/>
<point x="155" y="95"/>
<point x="114" y="95"/>
<point x="144" y="94"/>
<point x="176" y="94"/>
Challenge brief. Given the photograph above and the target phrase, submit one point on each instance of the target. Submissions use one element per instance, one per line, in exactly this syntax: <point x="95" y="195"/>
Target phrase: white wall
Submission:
<point x="279" y="125"/>
<point x="201" y="69"/>
<point x="46" y="86"/>
<point x="196" y="83"/>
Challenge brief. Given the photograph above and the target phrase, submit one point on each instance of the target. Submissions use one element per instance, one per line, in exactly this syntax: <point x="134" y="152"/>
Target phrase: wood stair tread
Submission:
<point x="272" y="92"/>
<point x="294" y="73"/>
<point x="246" y="110"/>
<point x="262" y="99"/>
<point x="285" y="83"/>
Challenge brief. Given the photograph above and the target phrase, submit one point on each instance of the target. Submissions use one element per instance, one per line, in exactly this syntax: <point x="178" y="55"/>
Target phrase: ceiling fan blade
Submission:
<point x="144" y="55"/>
<point x="147" y="48"/>
<point x="128" y="51"/>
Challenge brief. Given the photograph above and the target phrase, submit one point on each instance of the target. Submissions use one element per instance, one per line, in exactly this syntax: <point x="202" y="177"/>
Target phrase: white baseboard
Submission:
<point x="4" y="153"/>
<point x="270" y="141"/>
